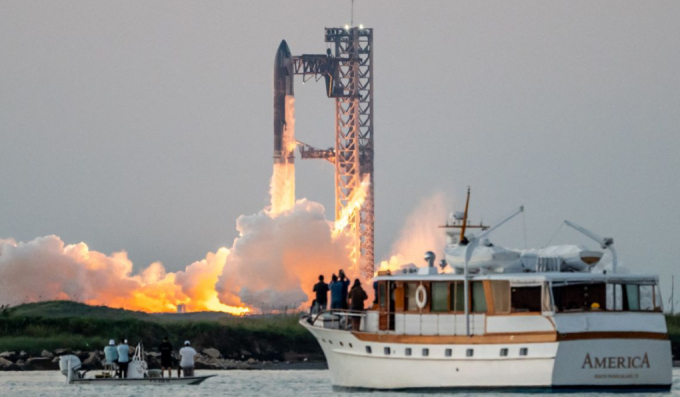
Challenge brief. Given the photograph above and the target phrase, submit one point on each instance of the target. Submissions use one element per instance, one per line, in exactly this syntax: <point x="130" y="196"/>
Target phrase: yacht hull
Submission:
<point x="357" y="362"/>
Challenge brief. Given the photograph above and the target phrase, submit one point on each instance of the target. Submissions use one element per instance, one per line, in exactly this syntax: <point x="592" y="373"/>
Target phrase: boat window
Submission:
<point x="382" y="292"/>
<point x="426" y="352"/>
<point x="524" y="351"/>
<point x="469" y="353"/>
<point x="407" y="351"/>
<point x="580" y="297"/>
<point x="368" y="349"/>
<point x="410" y="294"/>
<point x="526" y="299"/>
<point x="448" y="352"/>
<point x="500" y="290"/>
<point x="457" y="297"/>
<point x="631" y="299"/>
<point x="504" y="352"/>
<point x="646" y="297"/>
<point x="478" y="297"/>
<point x="440" y="297"/>
<point x="387" y="351"/>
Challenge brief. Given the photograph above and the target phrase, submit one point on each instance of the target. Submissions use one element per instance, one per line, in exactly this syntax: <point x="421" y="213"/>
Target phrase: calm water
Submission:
<point x="227" y="383"/>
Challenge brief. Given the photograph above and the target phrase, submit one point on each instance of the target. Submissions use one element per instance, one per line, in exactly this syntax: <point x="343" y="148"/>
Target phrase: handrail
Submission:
<point x="358" y="313"/>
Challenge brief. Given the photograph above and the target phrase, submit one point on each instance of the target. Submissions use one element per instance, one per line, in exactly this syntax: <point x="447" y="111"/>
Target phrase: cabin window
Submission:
<point x="407" y="351"/>
<point x="368" y="349"/>
<point x="440" y="297"/>
<point x="448" y="352"/>
<point x="478" y="297"/>
<point x="469" y="353"/>
<point x="504" y="352"/>
<point x="632" y="297"/>
<point x="524" y="351"/>
<point x="382" y="292"/>
<point x="387" y="351"/>
<point x="580" y="297"/>
<point x="457" y="297"/>
<point x="426" y="352"/>
<point x="500" y="290"/>
<point x="526" y="299"/>
<point x="410" y="295"/>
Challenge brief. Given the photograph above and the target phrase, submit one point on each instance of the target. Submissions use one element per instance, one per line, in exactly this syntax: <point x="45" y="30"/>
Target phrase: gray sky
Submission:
<point x="147" y="125"/>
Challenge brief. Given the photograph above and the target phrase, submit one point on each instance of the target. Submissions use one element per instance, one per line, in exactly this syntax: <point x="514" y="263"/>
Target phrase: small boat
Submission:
<point x="138" y="373"/>
<point x="500" y="318"/>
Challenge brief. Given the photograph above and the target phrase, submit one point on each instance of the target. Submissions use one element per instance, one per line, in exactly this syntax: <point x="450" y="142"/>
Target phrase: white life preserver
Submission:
<point x="421" y="296"/>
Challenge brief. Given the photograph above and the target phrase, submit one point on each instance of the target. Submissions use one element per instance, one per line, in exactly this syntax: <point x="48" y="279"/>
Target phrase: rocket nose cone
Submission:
<point x="283" y="49"/>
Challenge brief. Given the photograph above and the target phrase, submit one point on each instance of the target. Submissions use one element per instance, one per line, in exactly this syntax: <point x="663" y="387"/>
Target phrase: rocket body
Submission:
<point x="284" y="141"/>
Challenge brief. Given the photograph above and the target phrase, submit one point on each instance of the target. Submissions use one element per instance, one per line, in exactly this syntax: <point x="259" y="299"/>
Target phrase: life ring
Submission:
<point x="421" y="296"/>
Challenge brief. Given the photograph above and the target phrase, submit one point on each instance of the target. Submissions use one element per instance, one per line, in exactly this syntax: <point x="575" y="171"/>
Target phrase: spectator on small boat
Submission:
<point x="336" y="292"/>
<point x="123" y="358"/>
<point x="166" y="356"/>
<point x="357" y="297"/>
<point x="345" y="286"/>
<point x="187" y="353"/>
<point x="111" y="353"/>
<point x="321" y="290"/>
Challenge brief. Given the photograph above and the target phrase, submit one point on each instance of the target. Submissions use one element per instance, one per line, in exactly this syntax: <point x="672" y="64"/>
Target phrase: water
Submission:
<point x="227" y="383"/>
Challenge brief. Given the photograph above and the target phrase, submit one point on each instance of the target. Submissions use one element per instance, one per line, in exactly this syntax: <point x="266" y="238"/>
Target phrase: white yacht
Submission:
<point x="500" y="318"/>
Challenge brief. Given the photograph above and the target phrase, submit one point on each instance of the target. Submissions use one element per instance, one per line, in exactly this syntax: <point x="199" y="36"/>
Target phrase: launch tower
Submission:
<point x="347" y="68"/>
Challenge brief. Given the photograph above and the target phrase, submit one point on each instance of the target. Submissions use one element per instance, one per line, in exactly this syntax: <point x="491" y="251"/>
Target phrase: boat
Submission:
<point x="495" y="318"/>
<point x="138" y="373"/>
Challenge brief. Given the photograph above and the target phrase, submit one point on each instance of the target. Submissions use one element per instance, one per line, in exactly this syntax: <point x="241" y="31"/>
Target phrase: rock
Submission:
<point x="5" y="363"/>
<point x="20" y="362"/>
<point x="41" y="363"/>
<point x="11" y="356"/>
<point x="212" y="353"/>
<point x="93" y="360"/>
<point x="23" y="355"/>
<point x="61" y="352"/>
<point x="251" y="361"/>
<point x="46" y="354"/>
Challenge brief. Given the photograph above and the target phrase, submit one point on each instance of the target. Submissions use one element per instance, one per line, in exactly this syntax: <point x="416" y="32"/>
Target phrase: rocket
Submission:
<point x="283" y="88"/>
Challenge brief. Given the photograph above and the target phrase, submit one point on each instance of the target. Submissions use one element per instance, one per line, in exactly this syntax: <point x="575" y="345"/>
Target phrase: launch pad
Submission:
<point x="347" y="70"/>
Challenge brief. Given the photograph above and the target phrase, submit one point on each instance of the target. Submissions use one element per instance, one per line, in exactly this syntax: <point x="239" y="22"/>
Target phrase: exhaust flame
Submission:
<point x="282" y="186"/>
<point x="355" y="202"/>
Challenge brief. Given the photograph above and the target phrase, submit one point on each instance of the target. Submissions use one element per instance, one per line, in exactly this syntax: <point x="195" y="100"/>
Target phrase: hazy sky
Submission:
<point x="146" y="126"/>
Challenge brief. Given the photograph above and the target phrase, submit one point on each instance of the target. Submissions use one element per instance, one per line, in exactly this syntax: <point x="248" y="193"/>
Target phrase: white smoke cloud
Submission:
<point x="275" y="257"/>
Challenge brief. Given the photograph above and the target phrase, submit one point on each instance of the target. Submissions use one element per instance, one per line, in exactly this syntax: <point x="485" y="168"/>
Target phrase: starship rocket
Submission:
<point x="283" y="88"/>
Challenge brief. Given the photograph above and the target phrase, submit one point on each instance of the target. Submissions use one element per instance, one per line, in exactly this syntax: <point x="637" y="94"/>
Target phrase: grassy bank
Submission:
<point x="54" y="325"/>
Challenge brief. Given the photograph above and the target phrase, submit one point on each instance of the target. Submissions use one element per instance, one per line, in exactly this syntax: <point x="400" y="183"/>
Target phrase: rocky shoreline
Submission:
<point x="207" y="359"/>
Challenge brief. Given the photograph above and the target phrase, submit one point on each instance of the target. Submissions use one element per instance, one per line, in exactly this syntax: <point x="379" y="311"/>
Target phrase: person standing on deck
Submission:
<point x="321" y="290"/>
<point x="357" y="297"/>
<point x="336" y="293"/>
<point x="123" y="358"/>
<point x="166" y="357"/>
<point x="187" y="364"/>
<point x="345" y="287"/>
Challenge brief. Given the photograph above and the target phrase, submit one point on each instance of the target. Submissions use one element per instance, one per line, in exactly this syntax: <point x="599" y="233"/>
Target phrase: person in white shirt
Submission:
<point x="187" y="363"/>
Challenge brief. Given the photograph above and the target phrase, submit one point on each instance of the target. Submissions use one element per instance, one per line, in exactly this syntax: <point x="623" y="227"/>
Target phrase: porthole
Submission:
<point x="504" y="352"/>
<point x="524" y="351"/>
<point x="330" y="341"/>
<point x="448" y="352"/>
<point x="350" y="345"/>
<point x="407" y="351"/>
<point x="387" y="351"/>
<point x="426" y="352"/>
<point x="342" y="344"/>
<point x="469" y="353"/>
<point x="323" y="340"/>
<point x="368" y="349"/>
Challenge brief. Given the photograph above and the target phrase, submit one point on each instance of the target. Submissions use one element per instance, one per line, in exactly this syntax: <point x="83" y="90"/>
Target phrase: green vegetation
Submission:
<point x="62" y="324"/>
<point x="673" y="323"/>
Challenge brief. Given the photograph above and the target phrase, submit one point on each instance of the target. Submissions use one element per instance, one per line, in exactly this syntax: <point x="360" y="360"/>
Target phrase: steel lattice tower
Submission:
<point x="348" y="69"/>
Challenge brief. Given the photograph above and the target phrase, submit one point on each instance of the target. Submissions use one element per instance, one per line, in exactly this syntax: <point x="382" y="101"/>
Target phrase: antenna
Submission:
<point x="463" y="239"/>
<point x="351" y="19"/>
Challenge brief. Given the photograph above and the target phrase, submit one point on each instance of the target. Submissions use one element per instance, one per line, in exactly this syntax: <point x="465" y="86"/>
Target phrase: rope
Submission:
<point x="553" y="236"/>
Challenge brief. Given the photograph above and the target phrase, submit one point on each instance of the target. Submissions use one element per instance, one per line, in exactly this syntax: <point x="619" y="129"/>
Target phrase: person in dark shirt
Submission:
<point x="166" y="357"/>
<point x="345" y="288"/>
<point x="321" y="290"/>
<point x="336" y="293"/>
<point x="357" y="297"/>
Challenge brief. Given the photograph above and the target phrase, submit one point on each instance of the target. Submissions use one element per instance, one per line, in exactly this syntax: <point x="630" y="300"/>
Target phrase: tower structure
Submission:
<point x="347" y="68"/>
